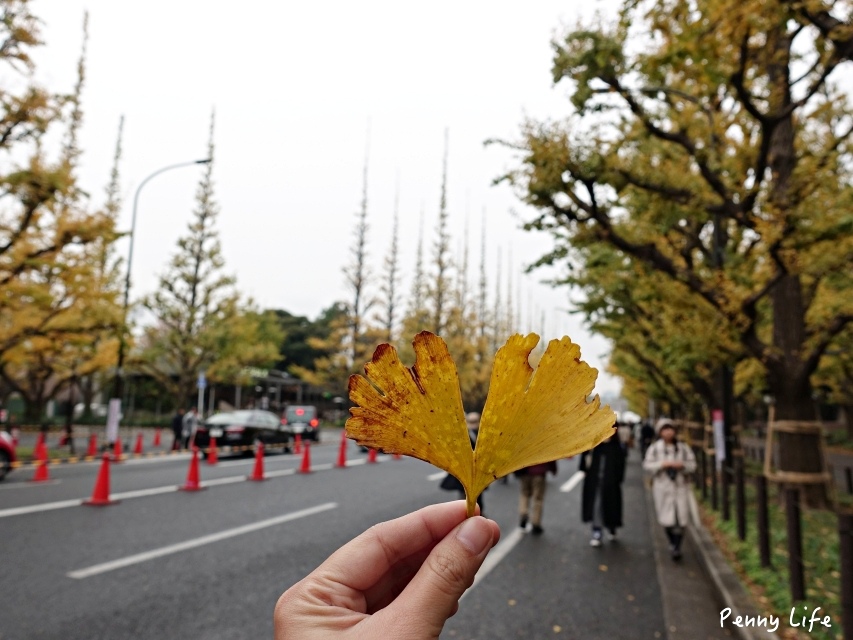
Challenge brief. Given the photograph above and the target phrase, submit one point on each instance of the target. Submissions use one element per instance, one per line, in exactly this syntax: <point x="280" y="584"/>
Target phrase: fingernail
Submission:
<point x="474" y="535"/>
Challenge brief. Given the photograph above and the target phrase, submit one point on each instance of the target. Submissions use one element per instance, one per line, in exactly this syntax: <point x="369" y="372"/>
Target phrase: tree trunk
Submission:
<point x="87" y="390"/>
<point x="790" y="385"/>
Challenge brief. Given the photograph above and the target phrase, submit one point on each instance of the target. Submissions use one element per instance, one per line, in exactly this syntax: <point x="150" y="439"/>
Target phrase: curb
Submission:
<point x="723" y="578"/>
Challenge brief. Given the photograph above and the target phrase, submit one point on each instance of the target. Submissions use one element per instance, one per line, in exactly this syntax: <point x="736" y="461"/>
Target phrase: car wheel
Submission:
<point x="5" y="464"/>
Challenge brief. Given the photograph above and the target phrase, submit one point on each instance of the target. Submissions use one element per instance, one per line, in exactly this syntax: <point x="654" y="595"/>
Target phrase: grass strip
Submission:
<point x="770" y="587"/>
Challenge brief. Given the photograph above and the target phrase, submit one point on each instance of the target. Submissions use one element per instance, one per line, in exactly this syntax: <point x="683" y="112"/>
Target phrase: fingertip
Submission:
<point x="476" y="534"/>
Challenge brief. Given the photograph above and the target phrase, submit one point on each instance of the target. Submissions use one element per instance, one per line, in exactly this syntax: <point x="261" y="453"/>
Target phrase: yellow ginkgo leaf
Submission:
<point x="529" y="417"/>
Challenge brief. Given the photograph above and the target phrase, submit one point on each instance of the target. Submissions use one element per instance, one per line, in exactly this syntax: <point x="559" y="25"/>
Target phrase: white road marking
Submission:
<point x="436" y="476"/>
<point x="35" y="508"/>
<point x="141" y="493"/>
<point x="279" y="473"/>
<point x="28" y="485"/>
<point x="509" y="542"/>
<point x="196" y="542"/>
<point x="497" y="554"/>
<point x="572" y="482"/>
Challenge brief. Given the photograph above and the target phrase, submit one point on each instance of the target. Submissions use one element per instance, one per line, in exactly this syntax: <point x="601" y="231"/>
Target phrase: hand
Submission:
<point x="399" y="579"/>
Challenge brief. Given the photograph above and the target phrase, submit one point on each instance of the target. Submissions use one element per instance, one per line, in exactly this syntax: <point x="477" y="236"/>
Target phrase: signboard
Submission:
<point x="202" y="381"/>
<point x="113" y="416"/>
<point x="719" y="436"/>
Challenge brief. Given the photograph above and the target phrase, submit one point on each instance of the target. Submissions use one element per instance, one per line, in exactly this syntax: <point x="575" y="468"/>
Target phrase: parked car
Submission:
<point x="7" y="453"/>
<point x="302" y="420"/>
<point x="242" y="429"/>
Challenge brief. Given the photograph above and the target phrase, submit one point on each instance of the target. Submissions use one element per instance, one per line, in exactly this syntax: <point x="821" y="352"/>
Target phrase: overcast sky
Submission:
<point x="294" y="86"/>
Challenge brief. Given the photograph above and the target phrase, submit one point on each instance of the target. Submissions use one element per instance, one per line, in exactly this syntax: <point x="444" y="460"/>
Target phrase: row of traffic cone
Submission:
<point x="101" y="491"/>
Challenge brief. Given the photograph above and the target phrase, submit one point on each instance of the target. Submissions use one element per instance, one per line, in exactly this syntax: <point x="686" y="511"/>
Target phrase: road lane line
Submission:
<point x="28" y="485"/>
<point x="572" y="482"/>
<point x="515" y="536"/>
<point x="141" y="493"/>
<point x="436" y="476"/>
<point x="196" y="542"/>
<point x="35" y="508"/>
<point x="497" y="554"/>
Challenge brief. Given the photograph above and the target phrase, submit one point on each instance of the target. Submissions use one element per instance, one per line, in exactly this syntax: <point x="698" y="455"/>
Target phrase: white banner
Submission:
<point x="719" y="436"/>
<point x="113" y="417"/>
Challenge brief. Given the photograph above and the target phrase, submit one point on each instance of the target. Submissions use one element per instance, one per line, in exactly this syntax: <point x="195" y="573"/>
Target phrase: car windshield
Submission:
<point x="300" y="414"/>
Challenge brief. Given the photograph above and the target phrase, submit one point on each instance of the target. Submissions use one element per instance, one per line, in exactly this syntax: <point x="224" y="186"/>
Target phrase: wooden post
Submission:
<point x="795" y="544"/>
<point x="845" y="552"/>
<point x="762" y="520"/>
<point x="740" y="498"/>
<point x="726" y="481"/>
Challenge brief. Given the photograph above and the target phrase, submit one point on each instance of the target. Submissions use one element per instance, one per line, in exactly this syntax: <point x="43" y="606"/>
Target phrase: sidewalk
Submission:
<point x="557" y="585"/>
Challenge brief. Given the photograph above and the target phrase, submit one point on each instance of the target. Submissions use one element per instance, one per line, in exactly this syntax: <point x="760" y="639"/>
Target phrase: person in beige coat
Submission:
<point x="669" y="462"/>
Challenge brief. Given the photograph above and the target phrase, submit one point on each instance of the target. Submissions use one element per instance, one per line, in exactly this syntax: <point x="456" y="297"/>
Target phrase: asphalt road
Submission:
<point x="166" y="564"/>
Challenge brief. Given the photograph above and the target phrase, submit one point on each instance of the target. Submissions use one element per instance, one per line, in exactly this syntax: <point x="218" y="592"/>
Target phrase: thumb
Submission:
<point x="433" y="594"/>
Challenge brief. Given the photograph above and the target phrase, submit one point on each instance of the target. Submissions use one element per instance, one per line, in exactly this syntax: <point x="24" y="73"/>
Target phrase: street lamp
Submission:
<point x="115" y="402"/>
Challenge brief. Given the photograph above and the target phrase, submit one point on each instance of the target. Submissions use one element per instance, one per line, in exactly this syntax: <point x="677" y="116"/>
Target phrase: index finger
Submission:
<point x="361" y="563"/>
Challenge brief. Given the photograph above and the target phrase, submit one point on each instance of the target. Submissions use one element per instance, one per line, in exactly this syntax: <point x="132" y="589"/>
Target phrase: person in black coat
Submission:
<point x="601" y="504"/>
<point x="177" y="429"/>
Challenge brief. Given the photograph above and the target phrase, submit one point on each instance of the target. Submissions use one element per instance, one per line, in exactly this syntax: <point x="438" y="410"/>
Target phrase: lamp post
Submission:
<point x="115" y="402"/>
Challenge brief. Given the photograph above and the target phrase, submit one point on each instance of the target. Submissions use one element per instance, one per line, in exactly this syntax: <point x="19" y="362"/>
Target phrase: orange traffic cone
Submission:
<point x="117" y="454"/>
<point x="371" y="456"/>
<point x="212" y="454"/>
<point x="101" y="492"/>
<point x="297" y="444"/>
<point x="137" y="450"/>
<point x="93" y="446"/>
<point x="305" y="467"/>
<point x="41" y="474"/>
<point x="192" y="483"/>
<point x="342" y="452"/>
<point x="40" y="452"/>
<point x="156" y="442"/>
<point x="258" y="472"/>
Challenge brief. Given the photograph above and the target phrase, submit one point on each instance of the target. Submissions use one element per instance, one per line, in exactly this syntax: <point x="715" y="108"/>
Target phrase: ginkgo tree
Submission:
<point x="199" y="321"/>
<point x="56" y="304"/>
<point x="710" y="141"/>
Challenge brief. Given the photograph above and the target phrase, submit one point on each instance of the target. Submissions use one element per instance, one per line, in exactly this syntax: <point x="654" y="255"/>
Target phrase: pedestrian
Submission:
<point x="178" y="429"/>
<point x="398" y="579"/>
<point x="533" y="490"/>
<point x="601" y="503"/>
<point x="450" y="482"/>
<point x="190" y="424"/>
<point x="647" y="436"/>
<point x="626" y="435"/>
<point x="669" y="462"/>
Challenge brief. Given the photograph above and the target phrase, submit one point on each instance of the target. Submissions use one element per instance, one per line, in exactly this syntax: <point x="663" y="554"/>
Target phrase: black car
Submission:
<point x="243" y="429"/>
<point x="303" y="420"/>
